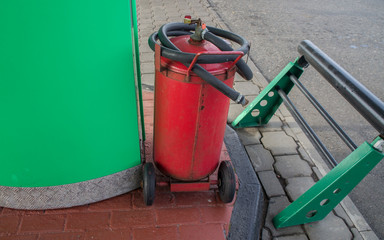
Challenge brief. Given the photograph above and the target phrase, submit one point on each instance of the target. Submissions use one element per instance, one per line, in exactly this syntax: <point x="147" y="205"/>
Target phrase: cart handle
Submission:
<point x="240" y="53"/>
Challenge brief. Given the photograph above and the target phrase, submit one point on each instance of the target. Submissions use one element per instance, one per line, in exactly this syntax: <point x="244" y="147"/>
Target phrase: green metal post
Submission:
<point x="137" y="65"/>
<point x="321" y="198"/>
<point x="261" y="110"/>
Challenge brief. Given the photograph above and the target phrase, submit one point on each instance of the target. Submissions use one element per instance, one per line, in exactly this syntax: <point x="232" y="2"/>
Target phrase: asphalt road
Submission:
<point x="351" y="33"/>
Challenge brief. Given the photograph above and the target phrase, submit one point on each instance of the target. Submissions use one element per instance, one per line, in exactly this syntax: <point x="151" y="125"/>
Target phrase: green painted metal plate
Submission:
<point x="318" y="201"/>
<point x="67" y="92"/>
<point x="264" y="106"/>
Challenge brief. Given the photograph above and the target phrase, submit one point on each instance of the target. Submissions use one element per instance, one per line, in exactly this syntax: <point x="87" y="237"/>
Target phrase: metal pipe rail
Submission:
<point x="347" y="140"/>
<point x="363" y="100"/>
<point x="307" y="128"/>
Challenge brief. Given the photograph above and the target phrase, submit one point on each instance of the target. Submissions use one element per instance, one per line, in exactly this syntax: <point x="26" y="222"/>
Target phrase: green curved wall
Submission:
<point x="68" y="107"/>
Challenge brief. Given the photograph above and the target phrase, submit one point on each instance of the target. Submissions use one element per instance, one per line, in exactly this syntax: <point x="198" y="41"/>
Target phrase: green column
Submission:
<point x="67" y="91"/>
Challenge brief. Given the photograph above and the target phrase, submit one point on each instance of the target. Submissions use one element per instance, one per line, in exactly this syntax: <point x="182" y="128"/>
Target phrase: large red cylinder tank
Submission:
<point x="190" y="115"/>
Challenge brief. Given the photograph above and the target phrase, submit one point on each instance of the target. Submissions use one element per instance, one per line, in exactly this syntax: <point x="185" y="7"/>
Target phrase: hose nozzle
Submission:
<point x="242" y="100"/>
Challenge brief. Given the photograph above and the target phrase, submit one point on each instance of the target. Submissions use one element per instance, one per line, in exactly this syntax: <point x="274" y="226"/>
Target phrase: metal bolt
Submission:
<point x="379" y="145"/>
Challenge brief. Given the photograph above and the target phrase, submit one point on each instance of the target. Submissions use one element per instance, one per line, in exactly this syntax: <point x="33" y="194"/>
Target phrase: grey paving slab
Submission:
<point x="340" y="212"/>
<point x="147" y="67"/>
<point x="304" y="155"/>
<point x="292" y="237"/>
<point x="297" y="186"/>
<point x="144" y="48"/>
<point x="290" y="166"/>
<point x="235" y="109"/>
<point x="261" y="158"/>
<point x="249" y="136"/>
<point x="265" y="234"/>
<point x="331" y="227"/>
<point x="276" y="205"/>
<point x="271" y="184"/>
<point x="289" y="132"/>
<point x="148" y="79"/>
<point x="279" y="143"/>
<point x="274" y="124"/>
<point x="246" y="88"/>
<point x="147" y="57"/>
<point x="238" y="78"/>
<point x="234" y="112"/>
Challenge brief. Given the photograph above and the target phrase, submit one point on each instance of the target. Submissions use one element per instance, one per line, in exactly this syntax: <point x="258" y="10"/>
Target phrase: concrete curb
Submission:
<point x="248" y="212"/>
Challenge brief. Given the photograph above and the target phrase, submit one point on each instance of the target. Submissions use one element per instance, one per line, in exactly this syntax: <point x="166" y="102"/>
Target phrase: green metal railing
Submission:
<point x="321" y="198"/>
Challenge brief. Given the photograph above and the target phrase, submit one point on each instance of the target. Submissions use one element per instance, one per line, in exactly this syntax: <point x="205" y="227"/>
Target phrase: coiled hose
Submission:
<point x="170" y="51"/>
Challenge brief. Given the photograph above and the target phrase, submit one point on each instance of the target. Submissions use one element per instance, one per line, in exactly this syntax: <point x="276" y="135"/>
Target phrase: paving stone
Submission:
<point x="279" y="143"/>
<point x="271" y="184"/>
<point x="144" y="47"/>
<point x="147" y="57"/>
<point x="160" y="18"/>
<point x="265" y="234"/>
<point x="276" y="205"/>
<point x="235" y="109"/>
<point x="261" y="158"/>
<point x="274" y="124"/>
<point x="356" y="234"/>
<point x="289" y="132"/>
<point x="168" y="216"/>
<point x="297" y="186"/>
<point x="293" y="125"/>
<point x="238" y="78"/>
<point x="246" y="88"/>
<point x="148" y="79"/>
<point x="148" y="67"/>
<point x="36" y="223"/>
<point x="199" y="231"/>
<point x="340" y="212"/>
<point x="86" y="221"/>
<point x="304" y="155"/>
<point x="290" y="166"/>
<point x="284" y="111"/>
<point x="249" y="135"/>
<point x="292" y="237"/>
<point x="331" y="227"/>
<point x="153" y="233"/>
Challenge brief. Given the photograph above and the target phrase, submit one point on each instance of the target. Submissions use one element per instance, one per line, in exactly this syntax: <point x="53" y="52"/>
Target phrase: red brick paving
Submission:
<point x="173" y="216"/>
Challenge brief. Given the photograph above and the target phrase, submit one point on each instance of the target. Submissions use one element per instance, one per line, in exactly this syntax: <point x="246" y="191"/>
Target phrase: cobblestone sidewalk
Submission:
<point x="284" y="159"/>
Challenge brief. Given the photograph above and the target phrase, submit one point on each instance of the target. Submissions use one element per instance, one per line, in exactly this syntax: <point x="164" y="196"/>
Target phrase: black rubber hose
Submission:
<point x="170" y="51"/>
<point x="186" y="57"/>
<point x="242" y="67"/>
<point x="200" y="71"/>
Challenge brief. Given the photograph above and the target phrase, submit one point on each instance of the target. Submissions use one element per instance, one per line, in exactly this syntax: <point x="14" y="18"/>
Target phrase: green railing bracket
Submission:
<point x="321" y="198"/>
<point x="261" y="110"/>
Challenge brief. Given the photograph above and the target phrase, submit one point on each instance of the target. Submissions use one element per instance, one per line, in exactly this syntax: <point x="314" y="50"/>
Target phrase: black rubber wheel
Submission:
<point x="226" y="182"/>
<point x="149" y="183"/>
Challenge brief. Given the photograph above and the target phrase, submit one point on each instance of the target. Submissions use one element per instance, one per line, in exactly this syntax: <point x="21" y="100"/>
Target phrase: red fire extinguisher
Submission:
<point x="193" y="79"/>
